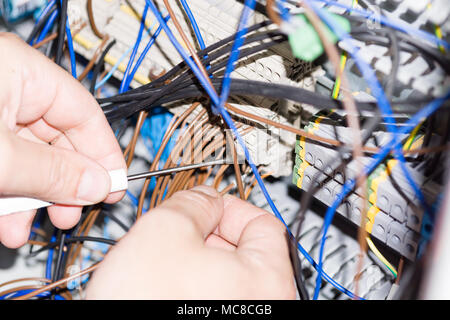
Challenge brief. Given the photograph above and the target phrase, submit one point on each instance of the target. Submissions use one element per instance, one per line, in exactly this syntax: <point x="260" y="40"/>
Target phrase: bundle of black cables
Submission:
<point x="183" y="84"/>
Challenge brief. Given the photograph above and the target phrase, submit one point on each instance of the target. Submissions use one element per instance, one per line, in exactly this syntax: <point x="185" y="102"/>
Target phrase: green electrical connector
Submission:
<point x="295" y="176"/>
<point x="305" y="41"/>
<point x="298" y="148"/>
<point x="298" y="161"/>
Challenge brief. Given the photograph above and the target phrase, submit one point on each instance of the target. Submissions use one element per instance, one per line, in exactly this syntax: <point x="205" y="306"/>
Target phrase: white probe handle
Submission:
<point x="9" y="205"/>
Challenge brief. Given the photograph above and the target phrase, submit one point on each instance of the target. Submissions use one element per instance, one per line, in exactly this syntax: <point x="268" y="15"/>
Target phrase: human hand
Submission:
<point x="198" y="245"/>
<point x="56" y="144"/>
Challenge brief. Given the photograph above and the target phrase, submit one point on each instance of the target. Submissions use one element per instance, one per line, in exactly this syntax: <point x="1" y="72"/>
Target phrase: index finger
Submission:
<point x="37" y="88"/>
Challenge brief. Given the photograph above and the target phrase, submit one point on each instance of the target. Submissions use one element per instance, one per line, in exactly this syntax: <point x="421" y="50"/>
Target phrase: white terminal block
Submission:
<point x="9" y="205"/>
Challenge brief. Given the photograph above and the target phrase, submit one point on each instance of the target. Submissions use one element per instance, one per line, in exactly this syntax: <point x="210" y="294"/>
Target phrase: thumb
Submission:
<point x="197" y="211"/>
<point x="50" y="173"/>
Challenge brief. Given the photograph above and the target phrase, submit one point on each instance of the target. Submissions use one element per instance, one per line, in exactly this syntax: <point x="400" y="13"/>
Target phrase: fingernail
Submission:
<point x="93" y="186"/>
<point x="209" y="191"/>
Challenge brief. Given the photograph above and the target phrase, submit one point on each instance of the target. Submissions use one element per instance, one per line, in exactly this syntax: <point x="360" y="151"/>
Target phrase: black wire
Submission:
<point x="38" y="27"/>
<point x="72" y="240"/>
<point x="99" y="66"/>
<point x="390" y="82"/>
<point x="152" y="92"/>
<point x="60" y="242"/>
<point x="61" y="33"/>
<point x="202" y="53"/>
<point x="115" y="219"/>
<point x="142" y="91"/>
<point x="240" y="87"/>
<point x="297" y="267"/>
<point x="407" y="45"/>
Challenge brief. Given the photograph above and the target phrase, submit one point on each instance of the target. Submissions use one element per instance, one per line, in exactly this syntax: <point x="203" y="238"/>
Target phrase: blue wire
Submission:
<point x="383" y="103"/>
<point x="46" y="29"/>
<point x="203" y="81"/>
<point x="123" y="86"/>
<point x="116" y="66"/>
<point x="194" y="24"/>
<point x="73" y="61"/>
<point x="46" y="9"/>
<point x="48" y="25"/>
<point x="284" y="12"/>
<point x="48" y="266"/>
<point x="377" y="159"/>
<point x="391" y="23"/>
<point x="128" y="80"/>
<point x="234" y="55"/>
<point x="20" y="293"/>
<point x="133" y="198"/>
<point x="43" y="13"/>
<point x="215" y="99"/>
<point x="144" y="53"/>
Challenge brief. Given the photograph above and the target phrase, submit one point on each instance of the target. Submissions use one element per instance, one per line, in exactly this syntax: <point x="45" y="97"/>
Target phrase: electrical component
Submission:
<point x="305" y="42"/>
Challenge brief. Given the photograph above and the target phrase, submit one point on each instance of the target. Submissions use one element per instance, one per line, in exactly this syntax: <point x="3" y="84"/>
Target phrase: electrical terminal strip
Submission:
<point x="393" y="219"/>
<point x="395" y="234"/>
<point x="388" y="187"/>
<point x="319" y="155"/>
<point x="216" y="21"/>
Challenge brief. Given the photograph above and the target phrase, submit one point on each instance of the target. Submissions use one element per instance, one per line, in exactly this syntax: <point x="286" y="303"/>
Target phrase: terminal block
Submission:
<point x="394" y="213"/>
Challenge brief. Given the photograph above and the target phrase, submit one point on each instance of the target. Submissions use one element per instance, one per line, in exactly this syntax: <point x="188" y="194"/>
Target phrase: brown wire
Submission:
<point x="93" y="60"/>
<point x="4" y="284"/>
<point x="39" y="231"/>
<point x="250" y="188"/>
<point x="273" y="15"/>
<point x="86" y="226"/>
<point x="180" y="179"/>
<point x="90" y="11"/>
<point x="237" y="170"/>
<point x="401" y="264"/>
<point x="37" y="243"/>
<point x="227" y="189"/>
<point x="182" y="136"/>
<point x="54" y="35"/>
<point x="47" y="39"/>
<point x="219" y="175"/>
<point x="58" y="283"/>
<point x="175" y="154"/>
<point x="197" y="60"/>
<point x="132" y="145"/>
<point x="166" y="139"/>
<point x="353" y="122"/>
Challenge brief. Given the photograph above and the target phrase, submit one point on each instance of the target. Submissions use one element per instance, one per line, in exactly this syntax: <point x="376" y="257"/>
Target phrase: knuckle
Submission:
<point x="201" y="201"/>
<point x="6" y="147"/>
<point x="59" y="175"/>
